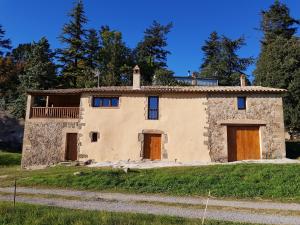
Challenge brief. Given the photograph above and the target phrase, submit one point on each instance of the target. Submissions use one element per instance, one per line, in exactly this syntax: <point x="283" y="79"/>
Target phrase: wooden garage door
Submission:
<point x="243" y="143"/>
<point x="152" y="146"/>
<point x="71" y="146"/>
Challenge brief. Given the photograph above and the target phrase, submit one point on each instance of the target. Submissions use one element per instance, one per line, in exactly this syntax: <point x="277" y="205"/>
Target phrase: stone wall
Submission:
<point x="262" y="109"/>
<point x="11" y="132"/>
<point x="44" y="141"/>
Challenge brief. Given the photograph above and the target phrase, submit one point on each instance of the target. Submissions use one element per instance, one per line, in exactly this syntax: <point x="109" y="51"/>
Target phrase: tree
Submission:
<point x="72" y="56"/>
<point x="278" y="64"/>
<point x="212" y="56"/>
<point x="221" y="60"/>
<point x="4" y="43"/>
<point x="91" y="60"/>
<point x="39" y="73"/>
<point x="92" y="49"/>
<point x="115" y="59"/>
<point x="277" y="22"/>
<point x="150" y="53"/>
<point x="164" y="77"/>
<point x="9" y="82"/>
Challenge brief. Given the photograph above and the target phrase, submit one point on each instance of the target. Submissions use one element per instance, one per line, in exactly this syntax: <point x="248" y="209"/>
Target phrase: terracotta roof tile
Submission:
<point x="162" y="89"/>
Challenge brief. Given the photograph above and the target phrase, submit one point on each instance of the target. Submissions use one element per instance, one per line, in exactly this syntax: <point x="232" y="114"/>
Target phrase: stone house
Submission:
<point x="169" y="123"/>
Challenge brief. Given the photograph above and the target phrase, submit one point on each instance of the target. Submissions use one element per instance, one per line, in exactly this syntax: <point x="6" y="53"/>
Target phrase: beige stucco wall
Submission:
<point x="182" y="121"/>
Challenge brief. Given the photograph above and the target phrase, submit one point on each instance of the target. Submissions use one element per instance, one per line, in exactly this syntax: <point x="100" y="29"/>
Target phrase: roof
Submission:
<point x="161" y="89"/>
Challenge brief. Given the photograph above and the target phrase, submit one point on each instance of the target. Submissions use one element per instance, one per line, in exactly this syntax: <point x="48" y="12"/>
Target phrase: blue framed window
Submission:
<point x="105" y="101"/>
<point x="153" y="104"/>
<point x="241" y="103"/>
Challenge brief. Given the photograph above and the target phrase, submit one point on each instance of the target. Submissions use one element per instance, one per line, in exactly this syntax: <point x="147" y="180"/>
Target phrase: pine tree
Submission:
<point x="221" y="60"/>
<point x="72" y="56"/>
<point x="4" y="43"/>
<point x="91" y="61"/>
<point x="212" y="56"/>
<point x="278" y="64"/>
<point x="115" y="61"/>
<point x="92" y="48"/>
<point x="150" y="53"/>
<point x="277" y="22"/>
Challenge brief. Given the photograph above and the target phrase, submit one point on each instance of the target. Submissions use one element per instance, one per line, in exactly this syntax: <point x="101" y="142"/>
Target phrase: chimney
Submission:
<point x="243" y="80"/>
<point x="194" y="79"/>
<point x="136" y="80"/>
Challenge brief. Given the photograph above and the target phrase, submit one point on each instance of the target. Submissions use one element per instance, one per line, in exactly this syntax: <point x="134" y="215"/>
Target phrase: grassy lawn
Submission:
<point x="39" y="215"/>
<point x="266" y="181"/>
<point x="9" y="158"/>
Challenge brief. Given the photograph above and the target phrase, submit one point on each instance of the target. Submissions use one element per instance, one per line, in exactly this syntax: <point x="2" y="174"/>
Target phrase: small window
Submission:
<point x="153" y="107"/>
<point x="241" y="102"/>
<point x="105" y="101"/>
<point x="94" y="137"/>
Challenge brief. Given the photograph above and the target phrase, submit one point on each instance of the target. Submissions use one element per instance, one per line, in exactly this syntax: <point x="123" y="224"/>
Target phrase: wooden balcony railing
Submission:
<point x="55" y="112"/>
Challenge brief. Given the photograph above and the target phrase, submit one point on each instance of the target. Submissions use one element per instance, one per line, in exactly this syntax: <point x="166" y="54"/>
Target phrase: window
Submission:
<point x="94" y="137"/>
<point x="241" y="102"/>
<point x="105" y="101"/>
<point x="153" y="107"/>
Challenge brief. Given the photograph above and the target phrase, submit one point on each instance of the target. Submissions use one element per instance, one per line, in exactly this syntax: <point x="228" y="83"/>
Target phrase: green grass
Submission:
<point x="27" y="214"/>
<point x="292" y="149"/>
<point x="266" y="181"/>
<point x="9" y="158"/>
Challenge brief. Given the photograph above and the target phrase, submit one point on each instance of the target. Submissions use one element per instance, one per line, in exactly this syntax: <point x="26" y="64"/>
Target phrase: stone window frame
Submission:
<point x="237" y="102"/>
<point x="164" y="140"/>
<point x="91" y="136"/>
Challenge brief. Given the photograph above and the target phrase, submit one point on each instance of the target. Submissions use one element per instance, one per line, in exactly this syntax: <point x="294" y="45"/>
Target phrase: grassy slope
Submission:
<point x="9" y="159"/>
<point x="267" y="181"/>
<point x="40" y="215"/>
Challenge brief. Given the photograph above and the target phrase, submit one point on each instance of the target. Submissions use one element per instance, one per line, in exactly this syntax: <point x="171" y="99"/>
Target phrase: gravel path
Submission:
<point x="159" y="210"/>
<point x="159" y="198"/>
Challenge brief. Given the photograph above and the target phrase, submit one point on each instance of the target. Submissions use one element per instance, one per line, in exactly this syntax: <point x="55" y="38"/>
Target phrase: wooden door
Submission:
<point x="152" y="146"/>
<point x="71" y="146"/>
<point x="243" y="143"/>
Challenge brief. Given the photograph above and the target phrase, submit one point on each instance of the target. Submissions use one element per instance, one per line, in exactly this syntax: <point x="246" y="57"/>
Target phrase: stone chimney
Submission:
<point x="243" y="80"/>
<point x="194" y="79"/>
<point x="136" y="80"/>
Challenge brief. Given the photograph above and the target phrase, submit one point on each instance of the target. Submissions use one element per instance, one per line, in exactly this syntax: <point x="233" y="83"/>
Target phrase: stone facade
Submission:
<point x="193" y="126"/>
<point x="44" y="141"/>
<point x="264" y="110"/>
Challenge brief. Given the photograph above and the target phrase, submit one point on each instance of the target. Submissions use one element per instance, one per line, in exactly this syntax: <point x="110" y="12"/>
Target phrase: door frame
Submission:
<point x="161" y="146"/>
<point x="66" y="145"/>
<point x="260" y="127"/>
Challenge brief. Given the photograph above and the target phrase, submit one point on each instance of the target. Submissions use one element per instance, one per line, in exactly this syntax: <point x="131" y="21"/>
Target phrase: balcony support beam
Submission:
<point x="47" y="101"/>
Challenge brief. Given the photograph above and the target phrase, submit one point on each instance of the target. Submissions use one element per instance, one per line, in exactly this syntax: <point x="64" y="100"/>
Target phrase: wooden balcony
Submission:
<point x="55" y="112"/>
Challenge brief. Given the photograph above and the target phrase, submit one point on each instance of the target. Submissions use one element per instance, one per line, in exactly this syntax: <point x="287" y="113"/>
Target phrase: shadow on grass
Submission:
<point x="9" y="158"/>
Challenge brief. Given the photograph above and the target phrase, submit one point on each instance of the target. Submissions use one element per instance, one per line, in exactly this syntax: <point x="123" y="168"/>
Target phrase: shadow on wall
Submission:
<point x="11" y="132"/>
<point x="292" y="149"/>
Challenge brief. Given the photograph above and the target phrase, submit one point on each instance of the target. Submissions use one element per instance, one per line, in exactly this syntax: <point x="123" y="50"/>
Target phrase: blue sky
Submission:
<point x="26" y="21"/>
